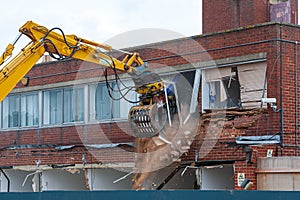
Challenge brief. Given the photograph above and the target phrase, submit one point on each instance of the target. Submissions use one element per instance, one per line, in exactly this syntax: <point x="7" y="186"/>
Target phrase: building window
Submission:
<point x="130" y="98"/>
<point x="29" y="110"/>
<point x="11" y="106"/>
<point x="252" y="78"/>
<point x="52" y="107"/>
<point x="20" y="111"/>
<point x="239" y="86"/>
<point x="73" y="104"/>
<point x="63" y="105"/>
<point x="222" y="88"/>
<point x="102" y="106"/>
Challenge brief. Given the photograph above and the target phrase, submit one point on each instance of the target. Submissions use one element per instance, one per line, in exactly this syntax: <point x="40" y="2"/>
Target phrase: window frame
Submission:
<point x="43" y="108"/>
<point x="19" y="108"/>
<point x="36" y="124"/>
<point x="75" y="103"/>
<point x="255" y="67"/>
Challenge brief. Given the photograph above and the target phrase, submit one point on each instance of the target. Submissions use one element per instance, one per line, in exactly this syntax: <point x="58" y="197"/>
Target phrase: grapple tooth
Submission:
<point x="148" y="120"/>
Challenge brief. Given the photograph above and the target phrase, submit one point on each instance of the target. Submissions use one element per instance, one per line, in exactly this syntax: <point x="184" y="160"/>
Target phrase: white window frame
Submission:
<point x="74" y="102"/>
<point x="49" y="123"/>
<point x="19" y="108"/>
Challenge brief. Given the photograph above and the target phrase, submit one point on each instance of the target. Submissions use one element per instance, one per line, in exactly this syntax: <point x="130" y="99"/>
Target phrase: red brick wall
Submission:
<point x="221" y="15"/>
<point x="289" y="88"/>
<point x="251" y="40"/>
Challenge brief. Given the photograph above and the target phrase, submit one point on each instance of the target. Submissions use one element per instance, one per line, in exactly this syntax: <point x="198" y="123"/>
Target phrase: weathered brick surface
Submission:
<point x="232" y="14"/>
<point x="222" y="15"/>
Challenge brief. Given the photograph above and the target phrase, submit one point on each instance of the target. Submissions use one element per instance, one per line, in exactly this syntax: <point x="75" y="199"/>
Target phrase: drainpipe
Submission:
<point x="8" y="180"/>
<point x="296" y="97"/>
<point x="280" y="103"/>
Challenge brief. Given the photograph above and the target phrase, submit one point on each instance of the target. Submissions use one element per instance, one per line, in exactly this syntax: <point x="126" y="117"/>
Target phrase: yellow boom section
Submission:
<point x="75" y="47"/>
<point x="44" y="40"/>
<point x="18" y="67"/>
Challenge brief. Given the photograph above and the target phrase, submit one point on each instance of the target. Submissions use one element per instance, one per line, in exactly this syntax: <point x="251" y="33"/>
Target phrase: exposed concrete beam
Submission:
<point x="123" y="166"/>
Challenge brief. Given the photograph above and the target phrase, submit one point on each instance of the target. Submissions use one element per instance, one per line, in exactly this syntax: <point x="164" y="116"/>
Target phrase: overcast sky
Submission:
<point x="105" y="20"/>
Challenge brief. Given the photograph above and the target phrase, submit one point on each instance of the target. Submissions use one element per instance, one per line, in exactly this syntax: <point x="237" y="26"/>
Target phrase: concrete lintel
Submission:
<point x="76" y="166"/>
<point x="277" y="171"/>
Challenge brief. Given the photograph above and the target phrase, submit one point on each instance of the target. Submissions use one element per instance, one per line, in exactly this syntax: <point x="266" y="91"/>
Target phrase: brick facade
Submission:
<point x="24" y="147"/>
<point x="67" y="144"/>
<point x="223" y="15"/>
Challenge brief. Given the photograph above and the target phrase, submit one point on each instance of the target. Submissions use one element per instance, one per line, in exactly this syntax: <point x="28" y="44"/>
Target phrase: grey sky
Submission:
<point x="100" y="20"/>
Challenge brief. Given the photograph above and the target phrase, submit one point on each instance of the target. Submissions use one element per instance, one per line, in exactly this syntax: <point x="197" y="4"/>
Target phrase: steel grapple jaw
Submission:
<point x="156" y="106"/>
<point x="148" y="120"/>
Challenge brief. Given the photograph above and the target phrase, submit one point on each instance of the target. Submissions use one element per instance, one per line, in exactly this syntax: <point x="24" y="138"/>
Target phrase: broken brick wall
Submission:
<point x="216" y="136"/>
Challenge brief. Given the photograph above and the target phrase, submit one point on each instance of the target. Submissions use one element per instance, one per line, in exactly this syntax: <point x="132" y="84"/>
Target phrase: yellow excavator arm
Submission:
<point x="44" y="40"/>
<point x="18" y="67"/>
<point x="61" y="46"/>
